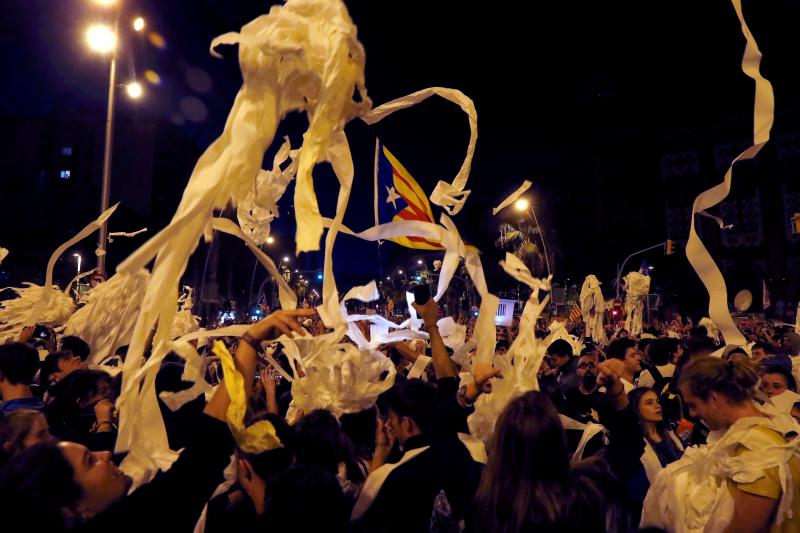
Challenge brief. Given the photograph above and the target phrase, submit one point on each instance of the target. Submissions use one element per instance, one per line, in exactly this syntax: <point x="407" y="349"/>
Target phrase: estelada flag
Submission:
<point x="398" y="196"/>
<point x="575" y="313"/>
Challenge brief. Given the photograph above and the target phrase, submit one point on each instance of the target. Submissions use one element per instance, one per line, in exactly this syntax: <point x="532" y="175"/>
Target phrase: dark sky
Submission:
<point x="576" y="96"/>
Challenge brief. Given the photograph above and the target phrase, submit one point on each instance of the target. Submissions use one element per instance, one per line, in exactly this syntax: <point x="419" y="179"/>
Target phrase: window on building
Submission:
<point x="66" y="174"/>
<point x="66" y="150"/>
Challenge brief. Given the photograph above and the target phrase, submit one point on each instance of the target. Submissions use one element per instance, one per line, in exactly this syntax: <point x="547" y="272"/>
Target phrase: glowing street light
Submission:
<point x="522" y="204"/>
<point x="270" y="239"/>
<point x="101" y="38"/>
<point x="419" y="261"/>
<point x="105" y="3"/>
<point x="134" y="90"/>
<point x="79" y="258"/>
<point x="138" y="24"/>
<point x="286" y="259"/>
<point x="399" y="271"/>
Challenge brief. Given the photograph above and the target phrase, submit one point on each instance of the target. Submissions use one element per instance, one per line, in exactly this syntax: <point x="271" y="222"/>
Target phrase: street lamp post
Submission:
<point x="108" y="149"/>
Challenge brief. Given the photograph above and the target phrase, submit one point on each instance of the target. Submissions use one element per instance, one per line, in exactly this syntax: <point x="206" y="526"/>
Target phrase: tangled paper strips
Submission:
<point x="449" y="196"/>
<point x="286" y="66"/>
<point x="45" y="304"/>
<point x="256" y="212"/>
<point x="521" y="363"/>
<point x="593" y="309"/>
<point x="446" y="233"/>
<point x="696" y="252"/>
<point x="106" y="321"/>
<point x="185" y="322"/>
<point x="301" y="56"/>
<point x="637" y="285"/>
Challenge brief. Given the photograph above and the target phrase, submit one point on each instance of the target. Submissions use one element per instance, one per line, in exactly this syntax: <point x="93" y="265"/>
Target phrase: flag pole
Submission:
<point x="375" y="206"/>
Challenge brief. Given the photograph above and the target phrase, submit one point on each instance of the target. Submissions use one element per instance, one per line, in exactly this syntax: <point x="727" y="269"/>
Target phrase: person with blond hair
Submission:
<point x="747" y="478"/>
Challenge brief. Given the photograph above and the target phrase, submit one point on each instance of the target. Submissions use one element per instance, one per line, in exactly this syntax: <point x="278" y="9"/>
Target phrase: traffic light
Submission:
<point x="669" y="247"/>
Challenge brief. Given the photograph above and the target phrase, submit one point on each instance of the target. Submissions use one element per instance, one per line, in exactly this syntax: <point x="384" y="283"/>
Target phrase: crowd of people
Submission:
<point x="588" y="451"/>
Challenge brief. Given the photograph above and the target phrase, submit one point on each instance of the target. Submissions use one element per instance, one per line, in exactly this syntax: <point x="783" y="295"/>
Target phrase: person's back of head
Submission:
<point x="663" y="350"/>
<point x="618" y="347"/>
<point x="77" y="346"/>
<point x="319" y="441"/>
<point x="700" y="346"/>
<point x="18" y="363"/>
<point x="734" y="379"/>
<point x="528" y="468"/>
<point x="360" y="429"/>
<point x="37" y="488"/>
<point x="559" y="348"/>
<point x="305" y="498"/>
<point x="414" y="399"/>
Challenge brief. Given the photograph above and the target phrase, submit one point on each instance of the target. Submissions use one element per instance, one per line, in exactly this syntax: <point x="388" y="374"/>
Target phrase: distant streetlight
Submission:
<point x="388" y="278"/>
<point x="399" y="271"/>
<point x="105" y="3"/>
<point x="79" y="258"/>
<point x="101" y="38"/>
<point x="522" y="204"/>
<point x="270" y="239"/>
<point x="419" y="261"/>
<point x="138" y="24"/>
<point x="286" y="259"/>
<point x="134" y="90"/>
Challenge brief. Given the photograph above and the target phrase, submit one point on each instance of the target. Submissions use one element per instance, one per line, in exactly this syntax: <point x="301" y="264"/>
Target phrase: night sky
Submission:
<point x="576" y="96"/>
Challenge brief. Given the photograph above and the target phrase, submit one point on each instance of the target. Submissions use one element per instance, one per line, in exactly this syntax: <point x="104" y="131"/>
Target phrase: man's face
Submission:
<point x="759" y="354"/>
<point x="587" y="370"/>
<point x="633" y="360"/>
<point x="559" y="360"/>
<point x="397" y="426"/>
<point x="773" y="384"/>
<point x="707" y="410"/>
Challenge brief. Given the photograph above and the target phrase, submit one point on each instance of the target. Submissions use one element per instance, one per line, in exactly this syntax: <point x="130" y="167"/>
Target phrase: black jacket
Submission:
<point x="405" y="501"/>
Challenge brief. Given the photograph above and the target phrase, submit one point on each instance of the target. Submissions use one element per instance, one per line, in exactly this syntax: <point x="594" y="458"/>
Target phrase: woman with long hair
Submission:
<point x="661" y="445"/>
<point x="529" y="484"/>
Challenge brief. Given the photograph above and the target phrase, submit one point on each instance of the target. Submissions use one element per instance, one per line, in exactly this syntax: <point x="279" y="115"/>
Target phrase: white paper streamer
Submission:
<point x="637" y="286"/>
<point x="521" y="362"/>
<point x="185" y="322"/>
<point x="707" y="323"/>
<point x="125" y="234"/>
<point x="257" y="210"/>
<point x="696" y="252"/>
<point x="718" y="220"/>
<point x="512" y="197"/>
<point x="593" y="309"/>
<point x="449" y="196"/>
<point x="107" y="320"/>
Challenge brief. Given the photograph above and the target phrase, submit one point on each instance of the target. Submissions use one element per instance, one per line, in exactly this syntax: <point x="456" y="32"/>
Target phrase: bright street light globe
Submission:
<point x="134" y="89"/>
<point x="522" y="204"/>
<point x="101" y="39"/>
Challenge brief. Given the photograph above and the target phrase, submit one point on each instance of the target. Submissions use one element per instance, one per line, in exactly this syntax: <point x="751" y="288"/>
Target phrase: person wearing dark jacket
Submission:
<point x="560" y="352"/>
<point x="425" y="420"/>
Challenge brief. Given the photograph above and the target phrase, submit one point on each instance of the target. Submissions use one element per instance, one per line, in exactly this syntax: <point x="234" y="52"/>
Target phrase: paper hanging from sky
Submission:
<point x="696" y="252"/>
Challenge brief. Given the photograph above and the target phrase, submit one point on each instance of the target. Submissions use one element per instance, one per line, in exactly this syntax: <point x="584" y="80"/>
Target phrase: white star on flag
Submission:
<point x="393" y="196"/>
